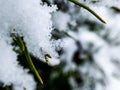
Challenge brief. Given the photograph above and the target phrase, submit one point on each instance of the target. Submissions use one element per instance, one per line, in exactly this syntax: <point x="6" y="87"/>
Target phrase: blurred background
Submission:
<point x="89" y="56"/>
<point x="90" y="50"/>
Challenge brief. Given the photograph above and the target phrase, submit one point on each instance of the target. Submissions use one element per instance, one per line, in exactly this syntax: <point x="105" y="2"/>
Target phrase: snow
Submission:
<point x="31" y="20"/>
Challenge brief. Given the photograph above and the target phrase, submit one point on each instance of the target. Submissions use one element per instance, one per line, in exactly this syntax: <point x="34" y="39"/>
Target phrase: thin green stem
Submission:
<point x="21" y="44"/>
<point x="32" y="65"/>
<point x="116" y="8"/>
<point x="29" y="60"/>
<point x="89" y="9"/>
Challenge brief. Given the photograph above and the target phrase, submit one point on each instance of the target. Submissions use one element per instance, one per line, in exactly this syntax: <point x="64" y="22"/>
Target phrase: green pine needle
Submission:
<point x="89" y="9"/>
<point x="29" y="60"/>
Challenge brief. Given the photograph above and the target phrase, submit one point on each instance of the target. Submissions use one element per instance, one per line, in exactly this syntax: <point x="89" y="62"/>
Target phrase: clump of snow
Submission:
<point x="69" y="49"/>
<point x="31" y="20"/>
<point x="61" y="20"/>
<point x="10" y="72"/>
<point x="53" y="61"/>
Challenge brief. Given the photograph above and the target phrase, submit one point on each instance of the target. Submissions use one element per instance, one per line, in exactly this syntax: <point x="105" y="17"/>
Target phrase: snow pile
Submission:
<point x="31" y="20"/>
<point x="11" y="72"/>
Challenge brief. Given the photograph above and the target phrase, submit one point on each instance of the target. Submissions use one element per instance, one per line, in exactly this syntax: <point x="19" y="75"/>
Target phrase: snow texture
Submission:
<point x="31" y="20"/>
